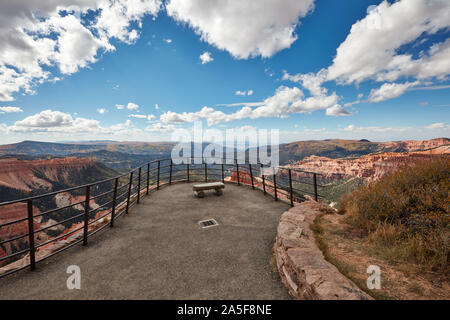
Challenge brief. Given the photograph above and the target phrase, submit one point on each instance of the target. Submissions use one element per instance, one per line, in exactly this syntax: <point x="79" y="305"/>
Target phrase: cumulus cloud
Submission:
<point x="244" y="93"/>
<point x="378" y="48"/>
<point x="389" y="91"/>
<point x="370" y="51"/>
<point x="206" y="57"/>
<point x="160" y="127"/>
<point x="284" y="102"/>
<point x="46" y="119"/>
<point x="129" y="106"/>
<point x="38" y="35"/>
<point x="310" y="81"/>
<point x="243" y="28"/>
<point x="64" y="124"/>
<point x="363" y="129"/>
<point x="439" y="125"/>
<point x="9" y="109"/>
<point x="142" y="116"/>
<point x="337" y="110"/>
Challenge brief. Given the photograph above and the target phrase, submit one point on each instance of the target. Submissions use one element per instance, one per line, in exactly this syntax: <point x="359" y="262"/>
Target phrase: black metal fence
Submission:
<point x="126" y="190"/>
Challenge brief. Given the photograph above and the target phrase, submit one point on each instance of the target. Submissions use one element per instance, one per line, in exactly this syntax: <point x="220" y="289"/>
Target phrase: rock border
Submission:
<point x="301" y="264"/>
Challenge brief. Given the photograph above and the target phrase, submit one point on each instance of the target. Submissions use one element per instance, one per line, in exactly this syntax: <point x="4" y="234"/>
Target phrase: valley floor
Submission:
<point x="158" y="251"/>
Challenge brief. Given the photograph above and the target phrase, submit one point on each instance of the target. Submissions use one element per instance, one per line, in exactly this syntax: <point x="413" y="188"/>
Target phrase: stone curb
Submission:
<point x="301" y="264"/>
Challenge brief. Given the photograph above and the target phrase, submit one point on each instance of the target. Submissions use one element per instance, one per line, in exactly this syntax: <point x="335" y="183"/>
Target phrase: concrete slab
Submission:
<point x="159" y="251"/>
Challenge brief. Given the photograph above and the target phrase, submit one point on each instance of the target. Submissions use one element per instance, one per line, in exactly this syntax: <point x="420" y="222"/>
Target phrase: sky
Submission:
<point x="138" y="70"/>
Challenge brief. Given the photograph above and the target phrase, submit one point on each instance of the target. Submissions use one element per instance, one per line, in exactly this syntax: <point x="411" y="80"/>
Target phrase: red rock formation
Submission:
<point x="20" y="174"/>
<point x="416" y="145"/>
<point x="369" y="167"/>
<point x="245" y="178"/>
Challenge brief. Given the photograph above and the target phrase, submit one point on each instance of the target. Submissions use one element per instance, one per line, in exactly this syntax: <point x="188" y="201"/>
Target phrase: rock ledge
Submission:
<point x="301" y="264"/>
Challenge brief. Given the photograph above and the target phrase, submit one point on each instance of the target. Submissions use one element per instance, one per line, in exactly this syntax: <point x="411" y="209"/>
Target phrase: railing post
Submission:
<point x="129" y="192"/>
<point x="86" y="215"/>
<point x="148" y="177"/>
<point x="290" y="188"/>
<point x="275" y="185"/>
<point x="206" y="172"/>
<point x="237" y="170"/>
<point x="31" y="234"/>
<point x="187" y="173"/>
<point x="113" y="209"/>
<point x="315" y="187"/>
<point x="139" y="185"/>
<point x="251" y="174"/>
<point x="170" y="175"/>
<point x="263" y="178"/>
<point x="223" y="175"/>
<point x="159" y="166"/>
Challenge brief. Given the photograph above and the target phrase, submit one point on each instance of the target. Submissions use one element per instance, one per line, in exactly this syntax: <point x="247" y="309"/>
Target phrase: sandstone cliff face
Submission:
<point x="369" y="167"/>
<point x="417" y="145"/>
<point x="29" y="175"/>
<point x="23" y="178"/>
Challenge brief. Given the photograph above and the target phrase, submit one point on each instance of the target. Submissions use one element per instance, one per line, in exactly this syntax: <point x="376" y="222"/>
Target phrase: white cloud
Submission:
<point x="46" y="119"/>
<point x="129" y="106"/>
<point x="142" y="116"/>
<point x="101" y="110"/>
<point x="284" y="102"/>
<point x="370" y="51"/>
<point x="132" y="106"/>
<point x="362" y="129"/>
<point x="337" y="110"/>
<point x="439" y="125"/>
<point x="9" y="109"/>
<point x="206" y="57"/>
<point x="243" y="28"/>
<point x="35" y="36"/>
<point x="244" y="93"/>
<point x="389" y="91"/>
<point x="310" y="81"/>
<point x="160" y="127"/>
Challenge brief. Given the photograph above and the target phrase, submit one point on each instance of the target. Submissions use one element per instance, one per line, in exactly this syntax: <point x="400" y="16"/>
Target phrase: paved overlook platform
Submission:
<point x="159" y="251"/>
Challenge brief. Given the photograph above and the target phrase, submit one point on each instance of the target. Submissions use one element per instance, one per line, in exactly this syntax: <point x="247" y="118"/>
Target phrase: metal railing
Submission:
<point x="281" y="184"/>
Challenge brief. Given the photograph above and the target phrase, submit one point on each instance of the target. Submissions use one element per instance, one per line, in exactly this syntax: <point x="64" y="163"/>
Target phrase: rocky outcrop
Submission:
<point x="416" y="145"/>
<point x="28" y="175"/>
<point x="302" y="266"/>
<point x="369" y="167"/>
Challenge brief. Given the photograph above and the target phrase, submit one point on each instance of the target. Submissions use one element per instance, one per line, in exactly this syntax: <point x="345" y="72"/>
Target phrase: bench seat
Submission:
<point x="200" y="188"/>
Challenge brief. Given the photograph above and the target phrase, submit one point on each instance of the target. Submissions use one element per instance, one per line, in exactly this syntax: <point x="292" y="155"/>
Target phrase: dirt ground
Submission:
<point x="352" y="254"/>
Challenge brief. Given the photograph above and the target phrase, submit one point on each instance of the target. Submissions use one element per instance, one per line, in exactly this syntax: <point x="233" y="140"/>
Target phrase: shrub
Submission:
<point x="406" y="212"/>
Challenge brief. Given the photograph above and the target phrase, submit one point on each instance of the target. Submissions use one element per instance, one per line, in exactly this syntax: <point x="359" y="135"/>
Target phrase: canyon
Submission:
<point x="23" y="178"/>
<point x="368" y="167"/>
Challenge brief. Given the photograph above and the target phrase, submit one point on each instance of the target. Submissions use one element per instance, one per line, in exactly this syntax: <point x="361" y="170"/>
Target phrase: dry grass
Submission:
<point x="405" y="215"/>
<point x="352" y="252"/>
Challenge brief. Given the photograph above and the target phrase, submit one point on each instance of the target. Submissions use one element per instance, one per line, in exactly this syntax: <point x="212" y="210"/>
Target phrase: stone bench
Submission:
<point x="200" y="188"/>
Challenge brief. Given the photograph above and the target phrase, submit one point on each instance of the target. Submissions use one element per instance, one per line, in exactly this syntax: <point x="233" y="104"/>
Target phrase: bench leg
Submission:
<point x="218" y="192"/>
<point x="199" y="194"/>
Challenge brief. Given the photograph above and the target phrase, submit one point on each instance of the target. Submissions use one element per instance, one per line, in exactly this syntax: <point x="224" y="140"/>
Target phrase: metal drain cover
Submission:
<point x="208" y="223"/>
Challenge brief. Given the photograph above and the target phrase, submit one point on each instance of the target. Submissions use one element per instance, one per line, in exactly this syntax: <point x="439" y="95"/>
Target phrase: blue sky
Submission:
<point x="314" y="69"/>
